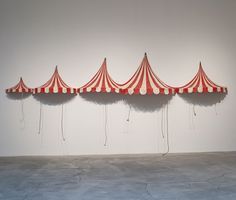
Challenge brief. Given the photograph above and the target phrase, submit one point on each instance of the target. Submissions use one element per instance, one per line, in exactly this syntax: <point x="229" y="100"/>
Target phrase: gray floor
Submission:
<point x="141" y="177"/>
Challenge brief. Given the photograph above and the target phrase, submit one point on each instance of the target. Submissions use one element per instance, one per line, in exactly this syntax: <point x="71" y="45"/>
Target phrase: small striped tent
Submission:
<point x="144" y="81"/>
<point x="19" y="88"/>
<point x="101" y="82"/>
<point x="201" y="84"/>
<point x="55" y="85"/>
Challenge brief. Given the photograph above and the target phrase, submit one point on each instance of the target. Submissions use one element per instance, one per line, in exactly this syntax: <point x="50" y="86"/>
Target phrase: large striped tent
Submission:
<point x="201" y="84"/>
<point x="101" y="82"/>
<point x="55" y="85"/>
<point x="20" y="87"/>
<point x="144" y="81"/>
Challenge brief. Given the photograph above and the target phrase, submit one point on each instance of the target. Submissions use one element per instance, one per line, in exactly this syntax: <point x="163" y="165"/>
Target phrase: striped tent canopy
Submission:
<point x="19" y="88"/>
<point x="55" y="85"/>
<point x="144" y="81"/>
<point x="201" y="84"/>
<point x="101" y="82"/>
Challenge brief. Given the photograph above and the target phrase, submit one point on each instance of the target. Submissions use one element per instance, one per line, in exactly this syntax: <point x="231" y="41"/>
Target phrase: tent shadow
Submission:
<point x="147" y="103"/>
<point x="207" y="99"/>
<point x="17" y="96"/>
<point x="102" y="98"/>
<point x="54" y="99"/>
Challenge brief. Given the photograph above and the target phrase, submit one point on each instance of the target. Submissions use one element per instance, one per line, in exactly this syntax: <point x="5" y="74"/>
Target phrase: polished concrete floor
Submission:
<point x="141" y="177"/>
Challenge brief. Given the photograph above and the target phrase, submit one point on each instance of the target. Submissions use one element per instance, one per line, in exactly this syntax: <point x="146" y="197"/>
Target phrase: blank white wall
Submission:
<point x="76" y="35"/>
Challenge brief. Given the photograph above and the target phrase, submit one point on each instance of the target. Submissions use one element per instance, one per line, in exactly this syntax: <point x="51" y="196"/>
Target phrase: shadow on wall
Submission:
<point x="207" y="99"/>
<point x="102" y="98"/>
<point x="17" y="96"/>
<point x="53" y="99"/>
<point x="147" y="103"/>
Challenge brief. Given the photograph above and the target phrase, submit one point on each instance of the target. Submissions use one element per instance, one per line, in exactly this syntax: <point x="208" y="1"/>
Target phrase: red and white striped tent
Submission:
<point x="144" y="81"/>
<point x="19" y="88"/>
<point x="201" y="84"/>
<point x="55" y="85"/>
<point x="101" y="82"/>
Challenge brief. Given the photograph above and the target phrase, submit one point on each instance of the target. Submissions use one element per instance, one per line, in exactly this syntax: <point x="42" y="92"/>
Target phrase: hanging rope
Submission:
<point x="162" y="123"/>
<point x="40" y="118"/>
<point x="167" y="131"/>
<point x="194" y="111"/>
<point x="22" y="111"/>
<point x="105" y="125"/>
<point x="128" y="118"/>
<point x="62" y="120"/>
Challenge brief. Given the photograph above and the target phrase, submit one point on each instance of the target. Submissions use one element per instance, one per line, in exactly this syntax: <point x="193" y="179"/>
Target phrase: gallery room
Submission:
<point x="109" y="99"/>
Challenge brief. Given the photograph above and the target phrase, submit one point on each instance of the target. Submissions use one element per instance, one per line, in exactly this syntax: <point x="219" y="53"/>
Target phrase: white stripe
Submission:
<point x="143" y="88"/>
<point x="137" y="81"/>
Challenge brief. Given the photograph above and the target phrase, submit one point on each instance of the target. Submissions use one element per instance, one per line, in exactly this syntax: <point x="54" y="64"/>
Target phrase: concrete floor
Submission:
<point x="140" y="177"/>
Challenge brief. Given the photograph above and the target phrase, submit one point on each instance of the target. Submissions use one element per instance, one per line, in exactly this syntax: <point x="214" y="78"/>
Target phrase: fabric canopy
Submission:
<point x="101" y="82"/>
<point x="55" y="85"/>
<point x="19" y="88"/>
<point x="144" y="81"/>
<point x="201" y="84"/>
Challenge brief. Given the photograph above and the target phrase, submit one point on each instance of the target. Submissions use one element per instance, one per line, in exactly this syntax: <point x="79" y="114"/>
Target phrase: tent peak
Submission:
<point x="200" y="65"/>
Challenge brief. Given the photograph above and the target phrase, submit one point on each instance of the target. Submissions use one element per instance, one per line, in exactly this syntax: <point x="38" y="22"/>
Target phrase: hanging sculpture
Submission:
<point x="201" y="84"/>
<point x="55" y="85"/>
<point x="20" y="87"/>
<point x="144" y="81"/>
<point x="101" y="83"/>
<point x="20" y="91"/>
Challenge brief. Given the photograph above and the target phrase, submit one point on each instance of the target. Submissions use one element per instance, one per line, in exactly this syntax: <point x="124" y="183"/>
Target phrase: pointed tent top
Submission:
<point x="55" y="85"/>
<point x="145" y="81"/>
<point x="200" y="66"/>
<point x="101" y="82"/>
<point x="104" y="64"/>
<point x="201" y="83"/>
<point x="56" y="69"/>
<point x="145" y="54"/>
<point x="20" y="87"/>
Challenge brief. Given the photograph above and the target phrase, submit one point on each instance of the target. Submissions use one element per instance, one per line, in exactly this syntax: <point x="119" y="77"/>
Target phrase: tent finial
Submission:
<point x="200" y="65"/>
<point x="56" y="69"/>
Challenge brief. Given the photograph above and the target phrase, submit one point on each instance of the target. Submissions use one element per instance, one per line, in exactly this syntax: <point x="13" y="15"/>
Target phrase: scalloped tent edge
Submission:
<point x="20" y="87"/>
<point x="145" y="81"/>
<point x="55" y="85"/>
<point x="101" y="82"/>
<point x="201" y="83"/>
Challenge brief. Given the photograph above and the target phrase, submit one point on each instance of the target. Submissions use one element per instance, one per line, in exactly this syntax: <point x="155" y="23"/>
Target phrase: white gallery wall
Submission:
<point x="37" y="35"/>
